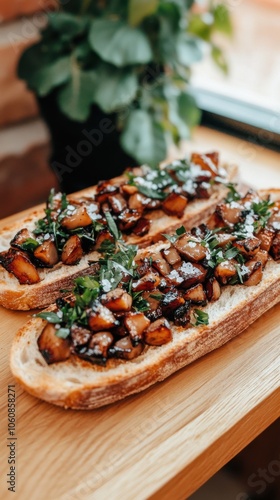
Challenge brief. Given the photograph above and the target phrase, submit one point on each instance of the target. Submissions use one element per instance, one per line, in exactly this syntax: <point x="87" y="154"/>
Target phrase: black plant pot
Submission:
<point x="83" y="153"/>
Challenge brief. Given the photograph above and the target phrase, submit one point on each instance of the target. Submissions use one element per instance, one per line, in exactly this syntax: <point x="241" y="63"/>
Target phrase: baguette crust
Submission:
<point x="39" y="295"/>
<point x="78" y="384"/>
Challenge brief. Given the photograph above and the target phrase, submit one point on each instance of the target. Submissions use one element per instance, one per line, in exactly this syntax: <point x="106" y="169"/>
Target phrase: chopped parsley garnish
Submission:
<point x="201" y="317"/>
<point x="233" y="194"/>
<point x="30" y="245"/>
<point x="139" y="304"/>
<point x="174" y="237"/>
<point x="261" y="209"/>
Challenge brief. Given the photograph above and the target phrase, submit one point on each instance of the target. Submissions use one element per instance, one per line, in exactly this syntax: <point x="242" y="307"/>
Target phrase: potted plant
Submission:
<point x="111" y="78"/>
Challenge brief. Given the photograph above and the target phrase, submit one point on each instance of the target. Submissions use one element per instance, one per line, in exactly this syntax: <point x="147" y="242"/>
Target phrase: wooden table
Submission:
<point x="167" y="441"/>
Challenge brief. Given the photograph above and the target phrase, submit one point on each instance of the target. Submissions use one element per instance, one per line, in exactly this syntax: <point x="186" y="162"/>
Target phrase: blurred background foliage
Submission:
<point x="132" y="58"/>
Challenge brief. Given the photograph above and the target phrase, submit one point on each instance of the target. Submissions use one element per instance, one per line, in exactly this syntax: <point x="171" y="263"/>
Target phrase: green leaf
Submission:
<point x="188" y="110"/>
<point x="63" y="333"/>
<point x="113" y="228"/>
<point x="42" y="70"/>
<point x="222" y="21"/>
<point x="51" y="317"/>
<point x="68" y="26"/>
<point x="188" y="49"/>
<point x="29" y="245"/>
<point x="150" y="193"/>
<point x="114" y="88"/>
<point x="118" y="43"/>
<point x="143" y="138"/>
<point x="219" y="58"/>
<point x="139" y="9"/>
<point x="76" y="97"/>
<point x="201" y="317"/>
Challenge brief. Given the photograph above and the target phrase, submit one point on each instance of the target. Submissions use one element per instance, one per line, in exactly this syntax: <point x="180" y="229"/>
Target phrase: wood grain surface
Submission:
<point x="167" y="441"/>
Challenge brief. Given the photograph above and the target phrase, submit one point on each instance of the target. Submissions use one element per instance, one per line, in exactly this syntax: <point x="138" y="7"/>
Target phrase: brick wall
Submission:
<point x="25" y="177"/>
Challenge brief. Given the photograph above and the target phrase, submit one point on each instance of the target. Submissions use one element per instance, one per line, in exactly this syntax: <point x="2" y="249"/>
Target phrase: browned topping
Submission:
<point x="72" y="251"/>
<point x="117" y="300"/>
<point x="158" y="333"/>
<point x="52" y="347"/>
<point x="19" y="264"/>
<point x="80" y="218"/>
<point x="167" y="285"/>
<point x="47" y="253"/>
<point x="77" y="226"/>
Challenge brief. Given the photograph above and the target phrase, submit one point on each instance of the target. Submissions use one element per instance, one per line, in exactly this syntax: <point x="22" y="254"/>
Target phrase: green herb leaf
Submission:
<point x="51" y="317"/>
<point x="201" y="317"/>
<point x="113" y="228"/>
<point x="63" y="333"/>
<point x="30" y="245"/>
<point x="233" y="194"/>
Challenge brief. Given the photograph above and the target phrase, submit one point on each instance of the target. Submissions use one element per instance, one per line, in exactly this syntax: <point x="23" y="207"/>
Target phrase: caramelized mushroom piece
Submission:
<point x="100" y="317"/>
<point x="136" y="323"/>
<point x="266" y="237"/>
<point x="160" y="264"/>
<point x="144" y="266"/>
<point x="182" y="315"/>
<point x="190" y="247"/>
<point x="80" y="335"/>
<point x="188" y="274"/>
<point x="275" y="247"/>
<point x="52" y="347"/>
<point x="196" y="294"/>
<point x="137" y="202"/>
<point x="142" y="227"/>
<point x="103" y="235"/>
<point x="158" y="333"/>
<point x="128" y="219"/>
<point x="47" y="253"/>
<point x="171" y="301"/>
<point x="127" y="189"/>
<point x="72" y="251"/>
<point x="230" y="213"/>
<point x="213" y="289"/>
<point x="215" y="221"/>
<point x="254" y="275"/>
<point x="171" y="256"/>
<point x="154" y="300"/>
<point x="225" y="271"/>
<point x="20" y="238"/>
<point x="224" y="238"/>
<point x="117" y="202"/>
<point x="79" y="218"/>
<point x="174" y="204"/>
<point x="18" y="263"/>
<point x="124" y="349"/>
<point x="100" y="343"/>
<point x="209" y="161"/>
<point x="261" y="256"/>
<point x="104" y="190"/>
<point x="147" y="282"/>
<point x="117" y="300"/>
<point x="204" y="190"/>
<point x="248" y="247"/>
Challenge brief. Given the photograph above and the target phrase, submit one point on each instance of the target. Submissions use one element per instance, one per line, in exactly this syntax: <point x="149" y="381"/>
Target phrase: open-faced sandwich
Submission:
<point x="42" y="254"/>
<point x="143" y="314"/>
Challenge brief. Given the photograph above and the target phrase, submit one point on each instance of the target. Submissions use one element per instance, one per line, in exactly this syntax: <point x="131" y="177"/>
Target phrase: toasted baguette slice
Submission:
<point x="78" y="384"/>
<point x="13" y="295"/>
